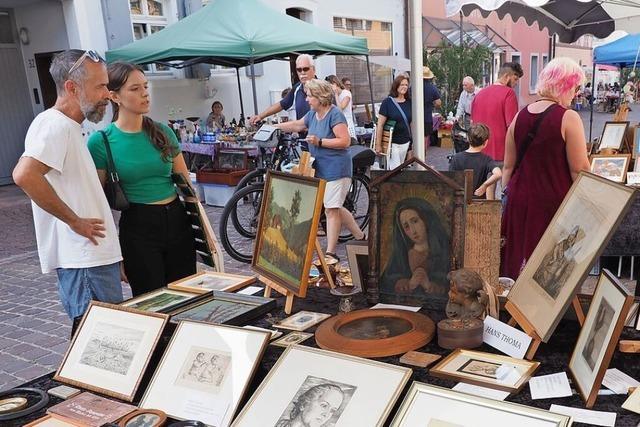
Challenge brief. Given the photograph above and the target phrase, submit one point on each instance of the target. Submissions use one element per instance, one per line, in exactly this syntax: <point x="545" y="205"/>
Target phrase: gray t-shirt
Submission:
<point x="330" y="163"/>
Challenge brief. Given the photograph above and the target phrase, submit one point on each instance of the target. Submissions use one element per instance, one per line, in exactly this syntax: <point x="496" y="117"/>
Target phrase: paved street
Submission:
<point x="34" y="329"/>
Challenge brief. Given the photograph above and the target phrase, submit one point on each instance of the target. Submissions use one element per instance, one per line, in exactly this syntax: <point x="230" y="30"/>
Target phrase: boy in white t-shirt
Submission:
<point x="74" y="226"/>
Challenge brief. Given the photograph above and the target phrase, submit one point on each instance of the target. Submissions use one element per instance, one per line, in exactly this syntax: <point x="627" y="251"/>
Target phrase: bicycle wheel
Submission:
<point x="254" y="177"/>
<point x="239" y="222"/>
<point x="357" y="202"/>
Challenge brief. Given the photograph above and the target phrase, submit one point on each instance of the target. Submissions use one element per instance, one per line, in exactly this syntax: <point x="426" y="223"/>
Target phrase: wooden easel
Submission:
<point x="517" y="318"/>
<point x="303" y="169"/>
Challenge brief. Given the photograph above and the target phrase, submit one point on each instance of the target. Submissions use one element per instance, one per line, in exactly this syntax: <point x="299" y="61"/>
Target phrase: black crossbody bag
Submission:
<point x="112" y="188"/>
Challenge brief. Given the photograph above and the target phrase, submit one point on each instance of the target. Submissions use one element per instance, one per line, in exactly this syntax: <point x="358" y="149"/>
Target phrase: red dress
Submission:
<point x="535" y="190"/>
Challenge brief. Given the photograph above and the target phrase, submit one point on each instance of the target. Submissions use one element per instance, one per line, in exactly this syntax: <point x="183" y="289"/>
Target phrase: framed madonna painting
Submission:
<point x="416" y="235"/>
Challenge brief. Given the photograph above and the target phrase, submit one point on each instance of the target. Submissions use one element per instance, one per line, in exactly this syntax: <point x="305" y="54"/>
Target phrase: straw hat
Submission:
<point x="426" y="73"/>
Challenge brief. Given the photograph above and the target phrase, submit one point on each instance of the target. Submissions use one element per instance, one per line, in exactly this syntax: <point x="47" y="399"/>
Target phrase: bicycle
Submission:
<point x="240" y="217"/>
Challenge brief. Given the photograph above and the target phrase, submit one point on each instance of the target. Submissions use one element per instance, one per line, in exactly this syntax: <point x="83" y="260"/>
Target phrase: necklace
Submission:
<point x="546" y="99"/>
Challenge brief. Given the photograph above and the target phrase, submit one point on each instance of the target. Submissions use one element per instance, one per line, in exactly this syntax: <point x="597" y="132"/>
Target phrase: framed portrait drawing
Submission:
<point x="225" y="308"/>
<point x="485" y="369"/>
<point x="612" y="167"/>
<point x="111" y="350"/>
<point x="144" y="417"/>
<point x="416" y="236"/>
<point x="205" y="379"/>
<point x="354" y="391"/>
<point x="599" y="336"/>
<point x="163" y="300"/>
<point x="231" y="159"/>
<point x="428" y="405"/>
<point x="358" y="258"/>
<point x="573" y="241"/>
<point x="206" y="281"/>
<point x="613" y="135"/>
<point x="285" y="241"/>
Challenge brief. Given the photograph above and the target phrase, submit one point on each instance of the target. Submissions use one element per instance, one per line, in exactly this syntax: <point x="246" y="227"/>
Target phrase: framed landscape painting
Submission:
<point x="599" y="336"/>
<point x="330" y="388"/>
<point x="612" y="167"/>
<point x="571" y="244"/>
<point x="163" y="300"/>
<point x="111" y="350"/>
<point x="416" y="236"/>
<point x="205" y="379"/>
<point x="431" y="406"/>
<point x="225" y="308"/>
<point x="613" y="135"/>
<point x="285" y="241"/>
<point x="206" y="281"/>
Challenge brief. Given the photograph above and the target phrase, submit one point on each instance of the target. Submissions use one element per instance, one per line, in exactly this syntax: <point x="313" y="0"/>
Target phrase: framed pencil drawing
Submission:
<point x="111" y="350"/>
<point x="573" y="241"/>
<point x="225" y="308"/>
<point x="354" y="391"/>
<point x="612" y="167"/>
<point x="613" y="135"/>
<point x="599" y="336"/>
<point x="285" y="241"/>
<point x="416" y="236"/>
<point x="204" y="379"/>
<point x="428" y="405"/>
<point x="206" y="281"/>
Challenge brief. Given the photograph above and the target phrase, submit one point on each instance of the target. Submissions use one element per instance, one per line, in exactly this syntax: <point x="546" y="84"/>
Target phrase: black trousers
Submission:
<point x="157" y="245"/>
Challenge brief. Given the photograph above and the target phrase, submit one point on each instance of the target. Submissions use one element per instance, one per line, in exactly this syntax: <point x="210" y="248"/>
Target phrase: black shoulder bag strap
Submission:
<point x="111" y="167"/>
<point x="404" y="117"/>
<point x="532" y="134"/>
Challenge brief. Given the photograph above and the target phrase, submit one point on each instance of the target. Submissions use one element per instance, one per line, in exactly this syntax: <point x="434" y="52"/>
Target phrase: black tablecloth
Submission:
<point x="554" y="357"/>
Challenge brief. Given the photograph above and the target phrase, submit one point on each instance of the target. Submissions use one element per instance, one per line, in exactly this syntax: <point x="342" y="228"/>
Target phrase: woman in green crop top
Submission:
<point x="155" y="232"/>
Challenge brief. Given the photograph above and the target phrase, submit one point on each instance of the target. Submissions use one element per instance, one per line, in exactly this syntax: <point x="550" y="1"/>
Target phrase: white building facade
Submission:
<point x="31" y="31"/>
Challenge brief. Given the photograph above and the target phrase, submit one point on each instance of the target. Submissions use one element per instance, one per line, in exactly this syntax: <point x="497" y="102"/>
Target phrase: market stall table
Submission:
<point x="554" y="357"/>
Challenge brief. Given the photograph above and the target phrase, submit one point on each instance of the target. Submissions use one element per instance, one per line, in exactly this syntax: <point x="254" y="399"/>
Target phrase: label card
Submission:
<point x="505" y="338"/>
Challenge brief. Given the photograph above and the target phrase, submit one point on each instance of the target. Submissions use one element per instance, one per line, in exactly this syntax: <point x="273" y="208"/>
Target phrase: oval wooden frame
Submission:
<point x="163" y="417"/>
<point x="422" y="332"/>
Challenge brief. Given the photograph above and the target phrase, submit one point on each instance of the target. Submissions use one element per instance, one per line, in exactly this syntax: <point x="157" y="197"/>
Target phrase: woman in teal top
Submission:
<point x="155" y="232"/>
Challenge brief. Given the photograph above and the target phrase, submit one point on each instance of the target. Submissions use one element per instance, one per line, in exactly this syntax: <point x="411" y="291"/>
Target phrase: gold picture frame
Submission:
<point x="286" y="236"/>
<point x="599" y="336"/>
<point x="90" y="363"/>
<point x="613" y="167"/>
<point x="426" y="404"/>
<point x="573" y="241"/>
<point x="206" y="281"/>
<point x="485" y="369"/>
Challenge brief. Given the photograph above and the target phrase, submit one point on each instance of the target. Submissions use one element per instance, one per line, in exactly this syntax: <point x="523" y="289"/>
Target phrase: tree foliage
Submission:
<point x="450" y="64"/>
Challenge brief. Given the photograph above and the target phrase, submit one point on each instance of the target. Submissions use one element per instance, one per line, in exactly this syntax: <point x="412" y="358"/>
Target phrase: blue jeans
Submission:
<point x="78" y="286"/>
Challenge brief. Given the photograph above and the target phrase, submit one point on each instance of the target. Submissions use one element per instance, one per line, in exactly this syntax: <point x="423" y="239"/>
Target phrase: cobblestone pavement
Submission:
<point x="34" y="330"/>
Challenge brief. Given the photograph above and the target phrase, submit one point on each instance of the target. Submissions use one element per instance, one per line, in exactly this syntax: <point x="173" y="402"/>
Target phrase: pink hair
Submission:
<point x="559" y="78"/>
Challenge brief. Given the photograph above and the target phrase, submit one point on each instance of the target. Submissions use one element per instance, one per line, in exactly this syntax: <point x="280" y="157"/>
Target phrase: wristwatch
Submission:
<point x="320" y="142"/>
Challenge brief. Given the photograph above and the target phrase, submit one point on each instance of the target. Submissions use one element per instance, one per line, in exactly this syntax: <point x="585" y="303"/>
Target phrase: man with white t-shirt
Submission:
<point x="74" y="227"/>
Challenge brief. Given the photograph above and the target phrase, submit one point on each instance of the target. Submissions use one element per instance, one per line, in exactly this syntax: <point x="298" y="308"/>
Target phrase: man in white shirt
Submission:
<point x="74" y="226"/>
<point x="463" y="113"/>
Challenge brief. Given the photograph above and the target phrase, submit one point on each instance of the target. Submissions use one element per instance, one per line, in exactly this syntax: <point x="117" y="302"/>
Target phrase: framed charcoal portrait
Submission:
<point x="573" y="241"/>
<point x="285" y="241"/>
<point x="225" y="308"/>
<point x="416" y="236"/>
<point x="205" y="379"/>
<point x="331" y="388"/>
<point x="111" y="350"/>
<point x="599" y="336"/>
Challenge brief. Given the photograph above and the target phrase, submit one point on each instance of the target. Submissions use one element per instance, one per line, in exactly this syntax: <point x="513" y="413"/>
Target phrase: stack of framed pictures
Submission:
<point x="330" y="388"/>
<point x="431" y="406"/>
<point x="164" y="300"/>
<point x="225" y="308"/>
<point x="111" y="350"/>
<point x="205" y="372"/>
<point x="206" y="281"/>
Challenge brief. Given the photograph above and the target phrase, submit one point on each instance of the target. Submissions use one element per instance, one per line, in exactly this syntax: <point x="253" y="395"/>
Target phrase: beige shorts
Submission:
<point x="335" y="192"/>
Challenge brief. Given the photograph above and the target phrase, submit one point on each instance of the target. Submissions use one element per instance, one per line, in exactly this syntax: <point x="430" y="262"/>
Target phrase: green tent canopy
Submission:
<point x="236" y="33"/>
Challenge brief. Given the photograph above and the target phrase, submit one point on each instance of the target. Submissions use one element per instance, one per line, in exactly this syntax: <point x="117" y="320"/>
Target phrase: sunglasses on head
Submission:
<point x="302" y="69"/>
<point x="91" y="54"/>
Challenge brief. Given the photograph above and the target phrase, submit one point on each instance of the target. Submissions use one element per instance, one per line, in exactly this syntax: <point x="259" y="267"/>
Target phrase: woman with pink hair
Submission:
<point x="544" y="152"/>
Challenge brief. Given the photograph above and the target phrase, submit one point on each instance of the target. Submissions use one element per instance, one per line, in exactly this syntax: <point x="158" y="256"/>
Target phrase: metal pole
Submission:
<point x="461" y="51"/>
<point x="417" y="85"/>
<point x="240" y="92"/>
<point x="253" y="86"/>
<point x="373" y="107"/>
<point x="594" y="92"/>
